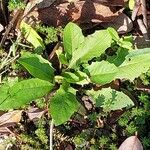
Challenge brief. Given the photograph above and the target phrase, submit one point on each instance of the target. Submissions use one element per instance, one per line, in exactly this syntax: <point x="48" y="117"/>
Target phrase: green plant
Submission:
<point x="145" y="77"/>
<point x="15" y="4"/>
<point x="103" y="142"/>
<point x="137" y="120"/>
<point x="50" y="33"/>
<point x="34" y="138"/>
<point x="80" y="66"/>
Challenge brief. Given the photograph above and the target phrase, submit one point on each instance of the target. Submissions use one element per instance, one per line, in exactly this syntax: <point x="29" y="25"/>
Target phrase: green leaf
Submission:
<point x="37" y="66"/>
<point x="131" y="4"/>
<point x="110" y="99"/>
<point x="126" y="42"/>
<point x="24" y="92"/>
<point x="93" y="46"/>
<point x="113" y="33"/>
<point x="62" y="57"/>
<point x="32" y="37"/>
<point x="102" y="72"/>
<point x="4" y="89"/>
<point x="72" y="38"/>
<point x="119" y="58"/>
<point x="136" y="63"/>
<point x="74" y="77"/>
<point x="63" y="105"/>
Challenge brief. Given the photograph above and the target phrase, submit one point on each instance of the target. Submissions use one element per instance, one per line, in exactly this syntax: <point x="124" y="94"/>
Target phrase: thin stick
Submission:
<point x="135" y="9"/>
<point x="11" y="24"/>
<point x="143" y="29"/>
<point x="144" y="12"/>
<point x="51" y="135"/>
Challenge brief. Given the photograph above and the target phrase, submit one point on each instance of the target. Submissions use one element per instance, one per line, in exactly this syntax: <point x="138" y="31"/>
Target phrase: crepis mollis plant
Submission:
<point x="83" y="65"/>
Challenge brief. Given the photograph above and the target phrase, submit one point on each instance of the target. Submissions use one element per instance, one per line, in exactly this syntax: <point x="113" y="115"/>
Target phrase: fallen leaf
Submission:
<point x="4" y="130"/>
<point x="66" y="146"/>
<point x="79" y="12"/>
<point x="10" y="118"/>
<point x="32" y="36"/>
<point x="122" y="24"/>
<point x="45" y="3"/>
<point x="131" y="143"/>
<point x="141" y="87"/>
<point x="139" y="42"/>
<point x="114" y="116"/>
<point x="35" y="113"/>
<point x="110" y="2"/>
<point x="69" y="147"/>
<point x="88" y="103"/>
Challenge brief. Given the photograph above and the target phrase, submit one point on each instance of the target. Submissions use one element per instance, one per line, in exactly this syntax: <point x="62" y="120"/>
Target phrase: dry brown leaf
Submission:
<point x="10" y="118"/>
<point x="4" y="130"/>
<point x="79" y="12"/>
<point x="140" y="86"/>
<point x="69" y="147"/>
<point x="131" y="143"/>
<point x="114" y="116"/>
<point x="35" y="113"/>
<point x="122" y="24"/>
<point x="139" y="42"/>
<point x="110" y="2"/>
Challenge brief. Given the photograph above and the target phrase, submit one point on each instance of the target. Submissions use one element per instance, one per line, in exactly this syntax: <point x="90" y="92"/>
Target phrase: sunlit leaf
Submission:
<point x="131" y="4"/>
<point x="72" y="38"/>
<point x="24" y="92"/>
<point x="110" y="99"/>
<point x="136" y="63"/>
<point x="10" y="118"/>
<point x="63" y="105"/>
<point x="75" y="77"/>
<point x="32" y="37"/>
<point x="93" y="46"/>
<point x="102" y="72"/>
<point x="37" y="66"/>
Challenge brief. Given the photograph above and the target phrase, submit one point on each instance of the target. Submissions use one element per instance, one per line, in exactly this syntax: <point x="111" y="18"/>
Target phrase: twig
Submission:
<point x="11" y="24"/>
<point x="51" y="135"/>
<point x="144" y="12"/>
<point x="144" y="90"/>
<point x="141" y="22"/>
<point x="3" y="5"/>
<point x="53" y="51"/>
<point x="143" y="29"/>
<point x="135" y="9"/>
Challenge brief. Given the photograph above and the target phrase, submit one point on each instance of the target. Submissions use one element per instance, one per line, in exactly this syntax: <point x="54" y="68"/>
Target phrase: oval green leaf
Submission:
<point x="63" y="105"/>
<point x="102" y="72"/>
<point x="37" y="66"/>
<point x="72" y="38"/>
<point x="32" y="37"/>
<point x="24" y="92"/>
<point x="136" y="63"/>
<point x="93" y="46"/>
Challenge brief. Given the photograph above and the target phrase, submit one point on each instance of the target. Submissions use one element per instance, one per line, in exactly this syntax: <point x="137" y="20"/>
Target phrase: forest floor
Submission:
<point x="40" y="28"/>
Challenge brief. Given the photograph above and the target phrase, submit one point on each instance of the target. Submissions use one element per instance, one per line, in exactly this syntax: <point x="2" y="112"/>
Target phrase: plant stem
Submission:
<point x="51" y="135"/>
